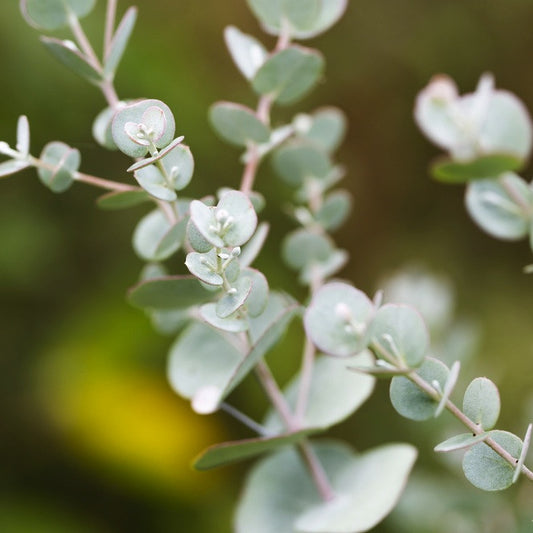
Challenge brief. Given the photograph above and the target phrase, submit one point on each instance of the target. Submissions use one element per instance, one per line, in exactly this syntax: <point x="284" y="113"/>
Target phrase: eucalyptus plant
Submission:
<point x="224" y="313"/>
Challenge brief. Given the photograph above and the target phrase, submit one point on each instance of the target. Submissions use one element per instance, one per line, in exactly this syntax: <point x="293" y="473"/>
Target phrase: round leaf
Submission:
<point x="334" y="210"/>
<point x="242" y="213"/>
<point x="401" y="330"/>
<point x="201" y="359"/>
<point x="154" y="116"/>
<point x="289" y="74"/>
<point x="335" y="392"/>
<point x="52" y="14"/>
<point x="337" y="319"/>
<point x="481" y="403"/>
<point x="153" y="182"/>
<point x="502" y="207"/>
<point x="102" y="128"/>
<point x="326" y="127"/>
<point x="302" y="247"/>
<point x="234" y="298"/>
<point x="279" y="495"/>
<point x="307" y="18"/>
<point x="65" y="162"/>
<point x="154" y="239"/>
<point x="487" y="470"/>
<point x="204" y="267"/>
<point x="232" y="323"/>
<point x="179" y="166"/>
<point x="298" y="161"/>
<point x="237" y="124"/>
<point x="412" y="402"/>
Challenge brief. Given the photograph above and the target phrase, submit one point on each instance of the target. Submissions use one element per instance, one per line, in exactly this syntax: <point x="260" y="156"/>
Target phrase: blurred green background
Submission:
<point x="92" y="439"/>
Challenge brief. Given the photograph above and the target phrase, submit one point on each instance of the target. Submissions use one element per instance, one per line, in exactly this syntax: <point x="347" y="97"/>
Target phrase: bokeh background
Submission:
<point x="91" y="437"/>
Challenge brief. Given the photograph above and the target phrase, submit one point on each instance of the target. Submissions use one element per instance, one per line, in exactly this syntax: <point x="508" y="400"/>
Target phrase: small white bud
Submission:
<point x="236" y="251"/>
<point x="343" y="312"/>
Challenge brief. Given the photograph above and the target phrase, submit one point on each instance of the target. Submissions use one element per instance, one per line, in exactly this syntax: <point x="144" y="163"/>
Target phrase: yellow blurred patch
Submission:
<point x="119" y="412"/>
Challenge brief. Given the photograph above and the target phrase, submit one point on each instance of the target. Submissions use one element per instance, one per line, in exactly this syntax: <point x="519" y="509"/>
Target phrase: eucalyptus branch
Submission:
<point x="437" y="395"/>
<point x="104" y="183"/>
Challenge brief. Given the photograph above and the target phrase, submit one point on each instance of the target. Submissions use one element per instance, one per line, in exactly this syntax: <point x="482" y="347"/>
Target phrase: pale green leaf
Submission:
<point x="122" y="199"/>
<point x="253" y="247"/>
<point x="289" y="74"/>
<point x="247" y="52"/>
<point x="460" y="442"/>
<point x="168" y="293"/>
<point x="65" y="162"/>
<point x="237" y="124"/>
<point x="23" y="136"/>
<point x="486" y="469"/>
<point x="401" y="330"/>
<point x="502" y="207"/>
<point x="304" y="247"/>
<point x="409" y="400"/>
<point x="326" y="127"/>
<point x="128" y="119"/>
<point x="12" y="166"/>
<point x="67" y="52"/>
<point x="334" y="210"/>
<point x="119" y="42"/>
<point x="154" y="239"/>
<point x="232" y="323"/>
<point x="279" y="495"/>
<point x="52" y="14"/>
<point x="337" y="319"/>
<point x="204" y="267"/>
<point x="231" y="452"/>
<point x="154" y="183"/>
<point x="481" y="403"/>
<point x="334" y="393"/>
<point x="482" y="167"/>
<point x="257" y="299"/>
<point x="101" y="128"/>
<point x="234" y="298"/>
<point x="201" y="359"/>
<point x="298" y="161"/>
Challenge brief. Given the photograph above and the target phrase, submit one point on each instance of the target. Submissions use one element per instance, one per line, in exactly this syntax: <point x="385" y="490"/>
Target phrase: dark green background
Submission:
<point x="65" y="265"/>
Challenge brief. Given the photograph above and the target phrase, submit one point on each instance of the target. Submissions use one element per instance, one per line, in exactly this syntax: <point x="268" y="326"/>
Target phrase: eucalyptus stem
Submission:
<point x="111" y="12"/>
<point x="306" y="452"/>
<point x="84" y="42"/>
<point x="245" y="419"/>
<point x="424" y="386"/>
<point x="264" y="107"/>
<point x="470" y="424"/>
<point x="104" y="184"/>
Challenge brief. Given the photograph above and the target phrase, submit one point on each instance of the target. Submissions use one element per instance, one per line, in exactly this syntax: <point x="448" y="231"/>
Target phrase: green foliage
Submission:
<point x="52" y="14"/>
<point x="226" y="317"/>
<point x="278" y="495"/>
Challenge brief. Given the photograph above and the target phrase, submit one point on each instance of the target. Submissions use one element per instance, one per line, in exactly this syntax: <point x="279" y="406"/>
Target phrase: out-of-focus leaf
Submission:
<point x="247" y="52"/>
<point x="52" y="14"/>
<point x="68" y="53"/>
<point x="122" y="199"/>
<point x="119" y="42"/>
<point x="289" y="74"/>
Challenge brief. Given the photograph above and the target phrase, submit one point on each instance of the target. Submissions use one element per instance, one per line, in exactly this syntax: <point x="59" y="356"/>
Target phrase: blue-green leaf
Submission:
<point x="409" y="400"/>
<point x="168" y="293"/>
<point x="247" y="52"/>
<point x="502" y="207"/>
<point x="289" y="74"/>
<point x="279" y="495"/>
<point x="486" y="469"/>
<point x="64" y="162"/>
<point x="119" y="42"/>
<point x="337" y="319"/>
<point x="52" y="14"/>
<point x="237" y="124"/>
<point x="68" y="53"/>
<point x="481" y="403"/>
